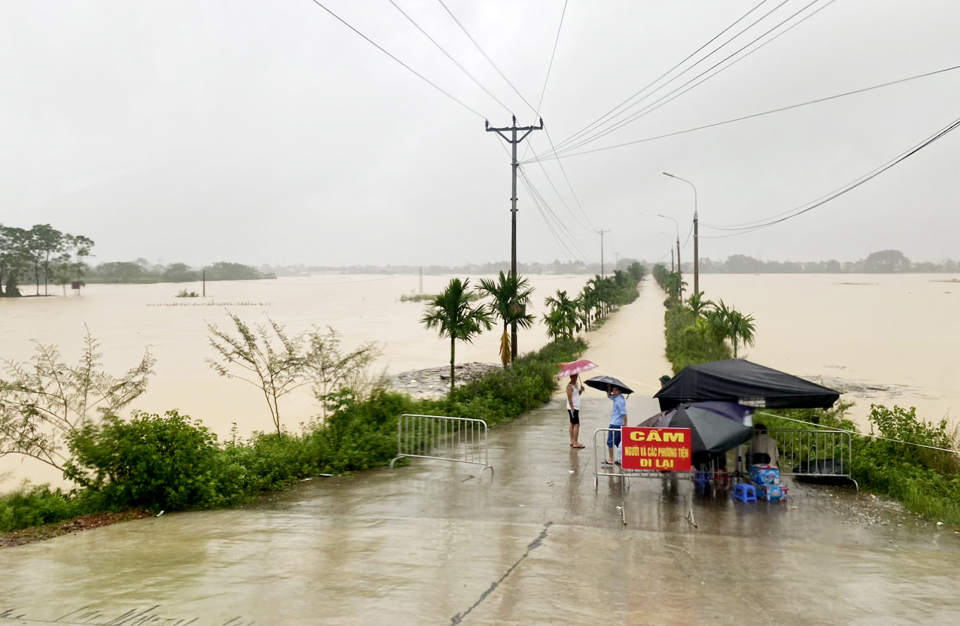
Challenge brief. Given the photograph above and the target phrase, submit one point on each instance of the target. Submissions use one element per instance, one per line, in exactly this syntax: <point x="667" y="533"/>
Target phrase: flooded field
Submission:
<point x="878" y="338"/>
<point x="126" y="319"/>
<point x="885" y="339"/>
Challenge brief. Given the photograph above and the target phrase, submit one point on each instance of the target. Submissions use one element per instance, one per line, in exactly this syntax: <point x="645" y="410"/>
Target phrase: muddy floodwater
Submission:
<point x="879" y="338"/>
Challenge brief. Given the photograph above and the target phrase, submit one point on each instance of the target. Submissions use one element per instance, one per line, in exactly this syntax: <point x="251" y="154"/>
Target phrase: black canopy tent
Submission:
<point x="746" y="383"/>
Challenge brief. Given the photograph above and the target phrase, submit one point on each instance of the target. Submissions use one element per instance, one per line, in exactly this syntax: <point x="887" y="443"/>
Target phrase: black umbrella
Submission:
<point x="605" y="383"/>
<point x="714" y="426"/>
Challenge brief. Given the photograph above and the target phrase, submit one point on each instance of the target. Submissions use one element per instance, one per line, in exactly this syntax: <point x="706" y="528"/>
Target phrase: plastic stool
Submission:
<point x="744" y="492"/>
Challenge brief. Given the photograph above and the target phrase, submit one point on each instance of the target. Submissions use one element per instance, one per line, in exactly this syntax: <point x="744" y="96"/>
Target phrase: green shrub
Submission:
<point x="689" y="343"/>
<point x="504" y="394"/>
<point x="151" y="462"/>
<point x="359" y="435"/>
<point x="38" y="505"/>
<point x="173" y="462"/>
<point x="926" y="481"/>
<point x="264" y="462"/>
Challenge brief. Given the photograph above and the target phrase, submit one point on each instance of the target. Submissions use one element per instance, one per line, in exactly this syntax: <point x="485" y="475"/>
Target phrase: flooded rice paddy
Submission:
<point x="879" y="338"/>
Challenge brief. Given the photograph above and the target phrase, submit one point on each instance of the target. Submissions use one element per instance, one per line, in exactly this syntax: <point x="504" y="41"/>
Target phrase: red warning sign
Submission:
<point x="662" y="449"/>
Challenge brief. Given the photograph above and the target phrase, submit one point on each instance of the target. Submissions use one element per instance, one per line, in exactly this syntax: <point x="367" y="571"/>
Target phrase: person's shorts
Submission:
<point x="613" y="437"/>
<point x="574" y="416"/>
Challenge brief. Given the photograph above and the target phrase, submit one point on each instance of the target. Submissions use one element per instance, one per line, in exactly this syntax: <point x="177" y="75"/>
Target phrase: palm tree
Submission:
<point x="586" y="302"/>
<point x="562" y="318"/>
<point x="742" y="328"/>
<point x="673" y="285"/>
<point x="729" y="323"/>
<point x="510" y="295"/>
<point x="718" y="320"/>
<point x="698" y="305"/>
<point x="453" y="314"/>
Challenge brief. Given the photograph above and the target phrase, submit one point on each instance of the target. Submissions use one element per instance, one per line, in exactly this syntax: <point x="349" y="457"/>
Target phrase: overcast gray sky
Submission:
<point x="269" y="132"/>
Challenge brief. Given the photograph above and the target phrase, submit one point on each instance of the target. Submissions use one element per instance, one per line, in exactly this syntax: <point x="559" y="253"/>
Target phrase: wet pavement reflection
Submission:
<point x="433" y="542"/>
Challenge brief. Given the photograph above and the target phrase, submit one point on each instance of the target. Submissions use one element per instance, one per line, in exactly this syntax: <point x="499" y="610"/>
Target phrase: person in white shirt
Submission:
<point x="574" y="389"/>
<point x="763" y="447"/>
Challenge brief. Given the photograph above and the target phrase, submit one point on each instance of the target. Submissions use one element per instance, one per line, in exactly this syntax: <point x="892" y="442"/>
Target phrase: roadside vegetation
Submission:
<point x="895" y="458"/>
<point x="172" y="462"/>
<point x="697" y="329"/>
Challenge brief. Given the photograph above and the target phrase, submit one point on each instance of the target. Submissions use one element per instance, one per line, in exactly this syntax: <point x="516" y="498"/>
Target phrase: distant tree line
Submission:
<point x="39" y="256"/>
<point x="42" y="255"/>
<point x="142" y="271"/>
<point x="882" y="262"/>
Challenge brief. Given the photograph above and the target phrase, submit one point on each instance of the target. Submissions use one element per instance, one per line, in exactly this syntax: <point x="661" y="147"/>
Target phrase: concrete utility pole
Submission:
<point x="601" y="233"/>
<point x="513" y="140"/>
<point x="679" y="269"/>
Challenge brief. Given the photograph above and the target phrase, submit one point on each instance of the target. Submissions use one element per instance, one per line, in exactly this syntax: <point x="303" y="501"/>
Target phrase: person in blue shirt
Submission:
<point x="618" y="419"/>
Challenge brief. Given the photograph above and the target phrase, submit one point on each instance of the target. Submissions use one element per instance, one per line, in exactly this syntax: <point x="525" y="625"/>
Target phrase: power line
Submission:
<point x="378" y="47"/>
<point x="763" y="113"/>
<point x="552" y="55"/>
<point x="570" y="234"/>
<point x="546" y="212"/>
<point x="564" y="249"/>
<point x="489" y="60"/>
<point x="655" y="81"/>
<point x="441" y="48"/>
<point x="549" y="67"/>
<point x="562" y="201"/>
<point x="679" y="91"/>
<point x="602" y="132"/>
<point x="564" y="171"/>
<point x="841" y="190"/>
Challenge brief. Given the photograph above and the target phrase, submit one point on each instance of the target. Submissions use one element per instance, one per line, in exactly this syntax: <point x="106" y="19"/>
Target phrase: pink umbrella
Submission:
<point x="576" y="367"/>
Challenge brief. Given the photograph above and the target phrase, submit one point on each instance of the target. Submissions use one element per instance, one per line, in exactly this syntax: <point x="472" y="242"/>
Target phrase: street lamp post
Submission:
<point x="679" y="269"/>
<point x="696" y="236"/>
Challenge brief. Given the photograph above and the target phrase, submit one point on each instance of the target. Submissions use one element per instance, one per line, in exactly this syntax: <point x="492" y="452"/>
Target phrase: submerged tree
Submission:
<point x="276" y="363"/>
<point x="263" y="356"/>
<point x="44" y="400"/>
<point x="329" y="369"/>
<point x="454" y="314"/>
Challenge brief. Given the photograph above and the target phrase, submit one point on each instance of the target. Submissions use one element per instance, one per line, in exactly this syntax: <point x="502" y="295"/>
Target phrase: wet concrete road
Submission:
<point x="433" y="543"/>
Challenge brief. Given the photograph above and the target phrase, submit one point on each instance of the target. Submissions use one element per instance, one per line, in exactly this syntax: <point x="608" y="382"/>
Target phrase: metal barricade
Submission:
<point x="617" y="471"/>
<point x="815" y="453"/>
<point x="442" y="438"/>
